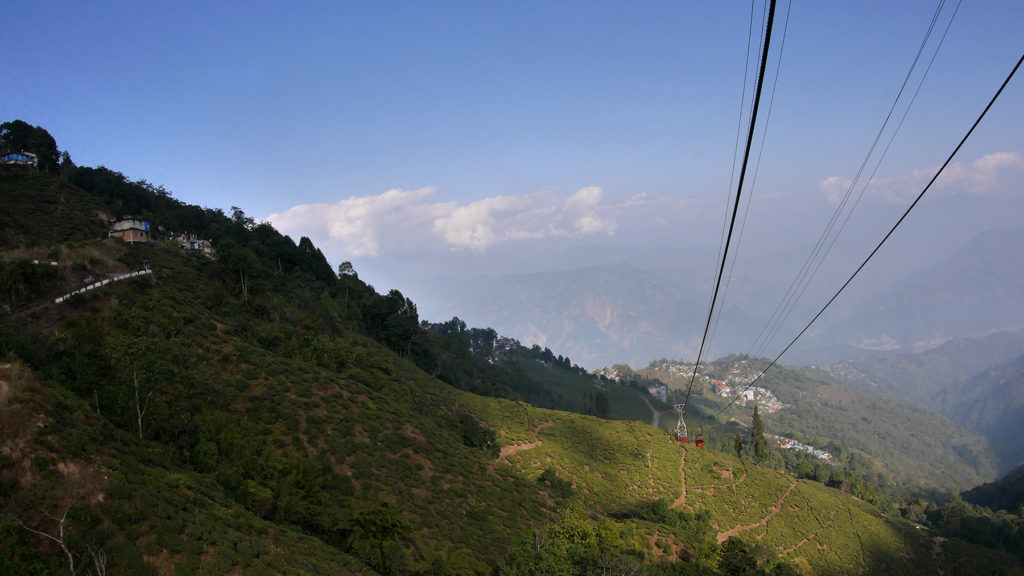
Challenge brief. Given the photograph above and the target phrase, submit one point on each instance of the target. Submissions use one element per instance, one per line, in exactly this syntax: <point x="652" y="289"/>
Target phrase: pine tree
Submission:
<point x="738" y="446"/>
<point x="757" y="437"/>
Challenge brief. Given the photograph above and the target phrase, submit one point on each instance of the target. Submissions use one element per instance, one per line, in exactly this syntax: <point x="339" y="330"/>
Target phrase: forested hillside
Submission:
<point x="254" y="412"/>
<point x="975" y="383"/>
<point x="992" y="403"/>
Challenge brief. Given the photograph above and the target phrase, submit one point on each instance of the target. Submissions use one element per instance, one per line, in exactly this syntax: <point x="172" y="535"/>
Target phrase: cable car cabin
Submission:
<point x="700" y="438"/>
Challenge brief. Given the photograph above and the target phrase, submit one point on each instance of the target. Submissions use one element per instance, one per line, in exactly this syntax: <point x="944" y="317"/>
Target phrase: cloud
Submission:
<point x="407" y="220"/>
<point x="582" y="208"/>
<point x="834" y="187"/>
<point x="359" y="226"/>
<point x="988" y="174"/>
<point x="981" y="176"/>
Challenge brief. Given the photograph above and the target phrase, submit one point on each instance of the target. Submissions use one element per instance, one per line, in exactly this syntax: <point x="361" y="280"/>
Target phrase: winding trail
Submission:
<point x="682" y="480"/>
<point x="507" y="451"/>
<point x="723" y="536"/>
<point x="655" y="415"/>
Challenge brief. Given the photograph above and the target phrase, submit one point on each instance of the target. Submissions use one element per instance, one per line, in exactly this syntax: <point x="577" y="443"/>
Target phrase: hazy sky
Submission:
<point x="430" y="132"/>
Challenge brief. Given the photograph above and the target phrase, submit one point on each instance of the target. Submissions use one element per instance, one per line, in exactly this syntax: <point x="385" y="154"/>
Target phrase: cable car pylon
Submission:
<point x="681" y="435"/>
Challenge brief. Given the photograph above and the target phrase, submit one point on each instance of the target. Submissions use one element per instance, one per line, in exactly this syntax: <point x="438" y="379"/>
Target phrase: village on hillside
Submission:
<point x="735" y="381"/>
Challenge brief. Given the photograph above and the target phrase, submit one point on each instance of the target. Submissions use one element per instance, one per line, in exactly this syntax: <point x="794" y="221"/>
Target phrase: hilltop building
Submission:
<point x="129" y="230"/>
<point x="19" y="160"/>
<point x="192" y="242"/>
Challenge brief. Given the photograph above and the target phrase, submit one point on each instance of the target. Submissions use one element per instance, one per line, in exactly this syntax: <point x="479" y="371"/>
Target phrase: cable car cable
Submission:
<point x="805" y="276"/>
<point x="757" y="164"/>
<point x="739" y="189"/>
<point x="886" y="237"/>
<point x="874" y="171"/>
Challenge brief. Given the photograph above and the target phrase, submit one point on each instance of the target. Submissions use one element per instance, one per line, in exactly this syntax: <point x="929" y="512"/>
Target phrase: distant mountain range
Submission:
<point x="975" y="291"/>
<point x="979" y="384"/>
<point x="652" y="308"/>
<point x="922" y="377"/>
<point x="992" y="403"/>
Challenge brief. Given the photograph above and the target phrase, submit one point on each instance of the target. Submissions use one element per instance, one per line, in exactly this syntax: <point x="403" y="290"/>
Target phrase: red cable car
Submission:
<point x="700" y="437"/>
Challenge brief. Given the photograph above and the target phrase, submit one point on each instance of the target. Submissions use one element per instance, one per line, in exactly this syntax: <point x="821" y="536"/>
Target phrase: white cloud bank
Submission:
<point x="400" y="220"/>
<point x="988" y="174"/>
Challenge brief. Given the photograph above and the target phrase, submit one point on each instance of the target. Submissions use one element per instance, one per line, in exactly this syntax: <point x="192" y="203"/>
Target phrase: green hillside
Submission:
<point x="908" y="443"/>
<point x="624" y="402"/>
<point x="1007" y="493"/>
<point x="257" y="414"/>
<point x="991" y="403"/>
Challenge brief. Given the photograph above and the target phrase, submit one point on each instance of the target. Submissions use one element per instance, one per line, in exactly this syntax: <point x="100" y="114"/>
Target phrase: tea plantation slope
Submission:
<point x="612" y="465"/>
<point x="130" y="502"/>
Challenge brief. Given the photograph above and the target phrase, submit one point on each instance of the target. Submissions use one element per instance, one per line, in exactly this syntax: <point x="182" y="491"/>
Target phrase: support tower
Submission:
<point x="681" y="435"/>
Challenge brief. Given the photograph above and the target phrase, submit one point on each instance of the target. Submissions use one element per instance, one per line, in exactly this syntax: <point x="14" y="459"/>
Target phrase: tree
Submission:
<point x="737" y="446"/>
<point x="74" y="484"/>
<point x="346" y="269"/>
<point x="238" y="259"/>
<point x="601" y="406"/>
<point x="141" y="362"/>
<point x="757" y="437"/>
<point x="60" y="534"/>
<point x="736" y="559"/>
<point x="378" y="534"/>
<point x="19" y="136"/>
<point x="239" y="217"/>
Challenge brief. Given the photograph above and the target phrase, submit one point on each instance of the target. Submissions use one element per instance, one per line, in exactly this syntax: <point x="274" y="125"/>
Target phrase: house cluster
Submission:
<point x="791" y="444"/>
<point x="681" y="369"/>
<point x="132" y="230"/>
<point x="609" y="373"/>
<point x="192" y="242"/>
<point x="659" y="391"/>
<point x="502" y="345"/>
<point x="767" y="401"/>
<point x="505" y="343"/>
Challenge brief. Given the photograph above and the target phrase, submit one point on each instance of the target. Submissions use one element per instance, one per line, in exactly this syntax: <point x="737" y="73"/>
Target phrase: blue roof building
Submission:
<point x="20" y="159"/>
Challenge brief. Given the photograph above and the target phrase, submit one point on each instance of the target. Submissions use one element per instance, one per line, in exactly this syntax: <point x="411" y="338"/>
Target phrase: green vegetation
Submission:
<point x="1007" y="493"/>
<point x="257" y="414"/>
<point x="757" y="440"/>
<point x="868" y="434"/>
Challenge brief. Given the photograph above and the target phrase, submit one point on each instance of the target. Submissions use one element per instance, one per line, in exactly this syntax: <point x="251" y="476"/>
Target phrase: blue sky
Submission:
<point x="443" y="131"/>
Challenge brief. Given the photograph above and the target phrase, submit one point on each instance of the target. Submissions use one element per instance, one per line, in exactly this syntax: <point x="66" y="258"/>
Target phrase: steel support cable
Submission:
<point x="739" y="134"/>
<point x="886" y="237"/>
<point x="757" y="164"/>
<point x="739" y="189"/>
<point x="736" y="147"/>
<point x="867" y="184"/>
<point x="804" y="276"/>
